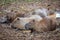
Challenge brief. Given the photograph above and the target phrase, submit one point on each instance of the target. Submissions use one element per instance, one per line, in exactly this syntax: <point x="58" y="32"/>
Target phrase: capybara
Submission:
<point x="43" y="12"/>
<point x="43" y="26"/>
<point x="20" y="22"/>
<point x="12" y="14"/>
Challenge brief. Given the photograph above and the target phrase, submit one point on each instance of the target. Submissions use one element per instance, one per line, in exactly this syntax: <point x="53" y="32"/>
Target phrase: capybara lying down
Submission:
<point x="7" y="17"/>
<point x="20" y="22"/>
<point x="42" y="26"/>
<point x="12" y="14"/>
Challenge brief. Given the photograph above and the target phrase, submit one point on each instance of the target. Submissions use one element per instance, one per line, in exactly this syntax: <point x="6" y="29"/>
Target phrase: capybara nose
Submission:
<point x="28" y="26"/>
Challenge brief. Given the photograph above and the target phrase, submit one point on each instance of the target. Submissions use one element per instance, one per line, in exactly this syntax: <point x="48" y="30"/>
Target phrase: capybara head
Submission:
<point x="20" y="22"/>
<point x="17" y="24"/>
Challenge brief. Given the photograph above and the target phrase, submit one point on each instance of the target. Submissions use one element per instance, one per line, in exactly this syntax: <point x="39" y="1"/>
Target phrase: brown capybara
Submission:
<point x="12" y="14"/>
<point x="16" y="24"/>
<point x="42" y="26"/>
<point x="7" y="16"/>
<point x="20" y="22"/>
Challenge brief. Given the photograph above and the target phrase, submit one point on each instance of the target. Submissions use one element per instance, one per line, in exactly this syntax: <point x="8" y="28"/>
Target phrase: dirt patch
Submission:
<point x="7" y="33"/>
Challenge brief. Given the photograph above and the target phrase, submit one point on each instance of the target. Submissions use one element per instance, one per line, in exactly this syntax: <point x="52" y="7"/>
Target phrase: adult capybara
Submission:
<point x="20" y="22"/>
<point x="42" y="26"/>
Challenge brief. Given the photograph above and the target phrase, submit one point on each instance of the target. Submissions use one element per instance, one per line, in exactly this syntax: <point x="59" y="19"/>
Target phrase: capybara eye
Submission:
<point x="18" y="19"/>
<point x="49" y="5"/>
<point x="33" y="20"/>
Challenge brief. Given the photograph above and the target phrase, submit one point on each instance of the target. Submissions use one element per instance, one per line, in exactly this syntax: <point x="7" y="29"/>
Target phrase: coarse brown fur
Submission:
<point x="44" y="25"/>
